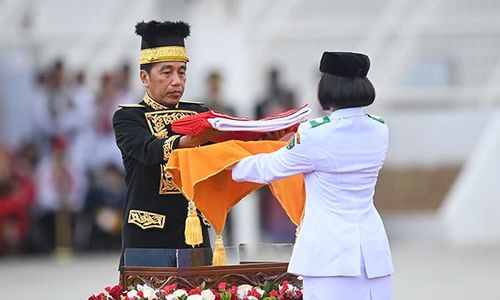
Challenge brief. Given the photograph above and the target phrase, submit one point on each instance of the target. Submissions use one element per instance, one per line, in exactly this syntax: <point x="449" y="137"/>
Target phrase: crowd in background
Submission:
<point x="63" y="189"/>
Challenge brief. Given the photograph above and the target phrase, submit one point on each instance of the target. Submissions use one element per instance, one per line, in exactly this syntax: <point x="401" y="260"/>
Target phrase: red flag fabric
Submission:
<point x="240" y="128"/>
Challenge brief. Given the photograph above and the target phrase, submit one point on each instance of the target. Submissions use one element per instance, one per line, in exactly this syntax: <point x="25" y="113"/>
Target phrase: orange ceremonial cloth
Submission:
<point x="200" y="173"/>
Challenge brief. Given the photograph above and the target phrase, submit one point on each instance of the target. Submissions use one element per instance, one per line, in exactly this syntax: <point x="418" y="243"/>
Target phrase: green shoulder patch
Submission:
<point x="319" y="121"/>
<point x="131" y="105"/>
<point x="377" y="118"/>
<point x="294" y="139"/>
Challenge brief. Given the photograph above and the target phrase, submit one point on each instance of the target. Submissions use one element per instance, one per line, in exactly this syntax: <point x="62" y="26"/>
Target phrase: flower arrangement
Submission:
<point x="224" y="291"/>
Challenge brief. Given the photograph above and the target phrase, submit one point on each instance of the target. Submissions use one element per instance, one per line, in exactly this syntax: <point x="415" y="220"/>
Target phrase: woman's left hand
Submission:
<point x="276" y="135"/>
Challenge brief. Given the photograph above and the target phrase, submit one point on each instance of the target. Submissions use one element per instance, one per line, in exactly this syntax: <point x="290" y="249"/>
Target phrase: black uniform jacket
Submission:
<point x="154" y="211"/>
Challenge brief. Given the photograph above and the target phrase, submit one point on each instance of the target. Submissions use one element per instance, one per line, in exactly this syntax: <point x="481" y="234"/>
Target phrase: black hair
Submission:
<point x="343" y="92"/>
<point x="146" y="67"/>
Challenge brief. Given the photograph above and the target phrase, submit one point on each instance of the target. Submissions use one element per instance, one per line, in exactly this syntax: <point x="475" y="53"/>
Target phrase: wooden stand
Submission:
<point x="254" y="274"/>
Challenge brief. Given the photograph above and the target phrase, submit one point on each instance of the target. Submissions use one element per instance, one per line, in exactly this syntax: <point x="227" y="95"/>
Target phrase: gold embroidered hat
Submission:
<point x="162" y="41"/>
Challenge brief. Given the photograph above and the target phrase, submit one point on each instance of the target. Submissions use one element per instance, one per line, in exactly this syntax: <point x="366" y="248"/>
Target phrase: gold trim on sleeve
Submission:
<point x="166" y="53"/>
<point x="145" y="219"/>
<point x="158" y="122"/>
<point x="168" y="146"/>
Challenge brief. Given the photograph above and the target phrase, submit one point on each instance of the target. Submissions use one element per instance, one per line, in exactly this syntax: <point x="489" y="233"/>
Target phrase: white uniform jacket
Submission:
<point x="340" y="156"/>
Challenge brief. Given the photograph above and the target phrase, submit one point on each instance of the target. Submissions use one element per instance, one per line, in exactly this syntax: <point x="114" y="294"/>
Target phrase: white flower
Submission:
<point x="194" y="297"/>
<point x="132" y="294"/>
<point x="207" y="295"/>
<point x="179" y="293"/>
<point x="148" y="292"/>
<point x="252" y="298"/>
<point x="246" y="287"/>
<point x="260" y="291"/>
<point x="171" y="297"/>
<point x="243" y="290"/>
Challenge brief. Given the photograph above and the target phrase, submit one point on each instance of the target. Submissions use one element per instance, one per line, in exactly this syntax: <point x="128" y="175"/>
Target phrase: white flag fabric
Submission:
<point x="273" y="123"/>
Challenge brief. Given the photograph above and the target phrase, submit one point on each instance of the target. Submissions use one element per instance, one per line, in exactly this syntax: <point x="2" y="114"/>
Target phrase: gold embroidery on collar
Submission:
<point x="145" y="219"/>
<point x="158" y="122"/>
<point x="155" y="104"/>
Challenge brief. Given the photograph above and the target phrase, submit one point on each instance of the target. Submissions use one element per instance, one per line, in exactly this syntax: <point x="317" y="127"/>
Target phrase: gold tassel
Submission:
<point x="219" y="258"/>
<point x="192" y="232"/>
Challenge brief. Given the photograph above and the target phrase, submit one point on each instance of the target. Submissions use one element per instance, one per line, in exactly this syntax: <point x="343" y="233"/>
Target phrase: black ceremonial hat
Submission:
<point x="345" y="64"/>
<point x="162" y="41"/>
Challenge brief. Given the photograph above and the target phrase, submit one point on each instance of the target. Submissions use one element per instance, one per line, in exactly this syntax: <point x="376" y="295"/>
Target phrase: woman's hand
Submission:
<point x="278" y="135"/>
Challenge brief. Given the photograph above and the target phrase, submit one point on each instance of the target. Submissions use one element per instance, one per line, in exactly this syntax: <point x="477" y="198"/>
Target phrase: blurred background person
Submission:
<point x="277" y="97"/>
<point x="123" y="81"/>
<point x="55" y="113"/>
<point x="17" y="192"/>
<point x="59" y="198"/>
<point x="215" y="94"/>
<point x="103" y="205"/>
<point x="108" y="98"/>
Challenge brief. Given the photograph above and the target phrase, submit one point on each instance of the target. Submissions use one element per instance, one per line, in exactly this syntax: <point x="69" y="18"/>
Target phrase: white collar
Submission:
<point x="347" y="113"/>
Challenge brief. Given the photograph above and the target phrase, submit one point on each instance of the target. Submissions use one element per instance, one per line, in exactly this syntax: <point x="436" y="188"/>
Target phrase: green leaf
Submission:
<point x="267" y="286"/>
<point x="225" y="295"/>
<point x="203" y="285"/>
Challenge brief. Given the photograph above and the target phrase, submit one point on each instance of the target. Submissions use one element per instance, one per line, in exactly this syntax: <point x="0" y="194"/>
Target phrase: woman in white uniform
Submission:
<point x="341" y="250"/>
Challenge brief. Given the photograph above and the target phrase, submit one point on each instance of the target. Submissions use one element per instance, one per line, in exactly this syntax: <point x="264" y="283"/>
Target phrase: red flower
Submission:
<point x="253" y="292"/>
<point x="140" y="294"/>
<point x="274" y="293"/>
<point x="169" y="288"/>
<point x="195" y="291"/>
<point x="284" y="287"/>
<point x="93" y="297"/>
<point x="222" y="286"/>
<point x="234" y="289"/>
<point x="115" y="292"/>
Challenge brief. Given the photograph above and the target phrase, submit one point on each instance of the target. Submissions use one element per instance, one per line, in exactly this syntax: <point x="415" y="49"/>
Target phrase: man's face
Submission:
<point x="165" y="82"/>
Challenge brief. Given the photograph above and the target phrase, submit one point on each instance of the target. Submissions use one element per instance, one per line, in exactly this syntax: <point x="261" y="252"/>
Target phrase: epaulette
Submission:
<point x="376" y="118"/>
<point x="131" y="105"/>
<point x="319" y="121"/>
<point x="191" y="102"/>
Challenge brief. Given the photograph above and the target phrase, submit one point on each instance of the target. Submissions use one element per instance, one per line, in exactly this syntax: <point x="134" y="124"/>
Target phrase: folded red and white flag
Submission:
<point x="241" y="128"/>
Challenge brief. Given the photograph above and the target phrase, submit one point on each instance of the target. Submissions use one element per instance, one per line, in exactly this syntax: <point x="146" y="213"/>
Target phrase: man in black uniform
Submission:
<point x="155" y="210"/>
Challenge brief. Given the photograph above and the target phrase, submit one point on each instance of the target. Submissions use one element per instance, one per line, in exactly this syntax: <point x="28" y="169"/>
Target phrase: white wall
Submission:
<point x="433" y="137"/>
<point x="471" y="211"/>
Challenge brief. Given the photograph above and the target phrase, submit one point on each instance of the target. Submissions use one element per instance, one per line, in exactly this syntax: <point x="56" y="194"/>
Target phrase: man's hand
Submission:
<point x="206" y="136"/>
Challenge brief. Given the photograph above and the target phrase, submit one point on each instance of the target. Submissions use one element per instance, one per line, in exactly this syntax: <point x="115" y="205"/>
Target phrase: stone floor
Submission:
<point x="424" y="270"/>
